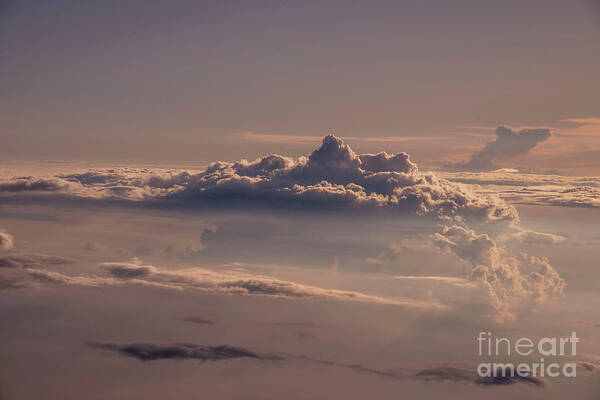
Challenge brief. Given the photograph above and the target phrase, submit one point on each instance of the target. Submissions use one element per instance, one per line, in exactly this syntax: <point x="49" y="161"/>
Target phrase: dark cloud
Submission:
<point x="198" y="320"/>
<point x="463" y="375"/>
<point x="508" y="144"/>
<point x="437" y="374"/>
<point x="128" y="270"/>
<point x="182" y="351"/>
<point x="190" y="351"/>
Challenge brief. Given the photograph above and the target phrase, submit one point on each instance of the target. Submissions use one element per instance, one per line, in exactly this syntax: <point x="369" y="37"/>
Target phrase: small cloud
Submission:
<point x="128" y="270"/>
<point x="6" y="241"/>
<point x="508" y="144"/>
<point x="198" y="320"/>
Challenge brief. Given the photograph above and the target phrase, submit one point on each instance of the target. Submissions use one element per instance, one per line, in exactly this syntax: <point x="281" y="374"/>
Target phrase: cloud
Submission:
<point x="198" y="320"/>
<point x="129" y="270"/>
<point x="225" y="282"/>
<point x="205" y="353"/>
<point x="508" y="144"/>
<point x="6" y="241"/>
<point x="509" y="278"/>
<point x="14" y="278"/>
<point x="181" y="351"/>
<point x="529" y="236"/>
<point x="29" y="270"/>
<point x="459" y="373"/>
<point x="331" y="176"/>
<point x="533" y="189"/>
<point x="240" y="282"/>
<point x="589" y="366"/>
<point x="454" y="374"/>
<point x="31" y="260"/>
<point x="448" y="280"/>
<point x="31" y="184"/>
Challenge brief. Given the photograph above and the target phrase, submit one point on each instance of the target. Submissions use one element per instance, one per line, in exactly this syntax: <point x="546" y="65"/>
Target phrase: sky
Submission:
<point x="298" y="199"/>
<point x="178" y="82"/>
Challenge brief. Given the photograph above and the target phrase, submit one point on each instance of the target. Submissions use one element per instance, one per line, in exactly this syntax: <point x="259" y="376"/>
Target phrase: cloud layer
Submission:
<point x="534" y="189"/>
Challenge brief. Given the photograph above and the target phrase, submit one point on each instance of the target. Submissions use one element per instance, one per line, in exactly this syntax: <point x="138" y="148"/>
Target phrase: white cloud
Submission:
<point x="511" y="279"/>
<point x="332" y="176"/>
<point x="6" y="241"/>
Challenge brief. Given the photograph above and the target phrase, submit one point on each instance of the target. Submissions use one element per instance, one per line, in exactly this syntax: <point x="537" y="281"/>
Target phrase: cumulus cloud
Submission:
<point x="509" y="278"/>
<point x="6" y="241"/>
<point x="508" y="144"/>
<point x="181" y="351"/>
<point x="333" y="175"/>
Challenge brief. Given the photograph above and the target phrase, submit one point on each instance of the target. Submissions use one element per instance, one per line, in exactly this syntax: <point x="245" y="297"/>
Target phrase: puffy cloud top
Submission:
<point x="335" y="175"/>
<point x="510" y="278"/>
